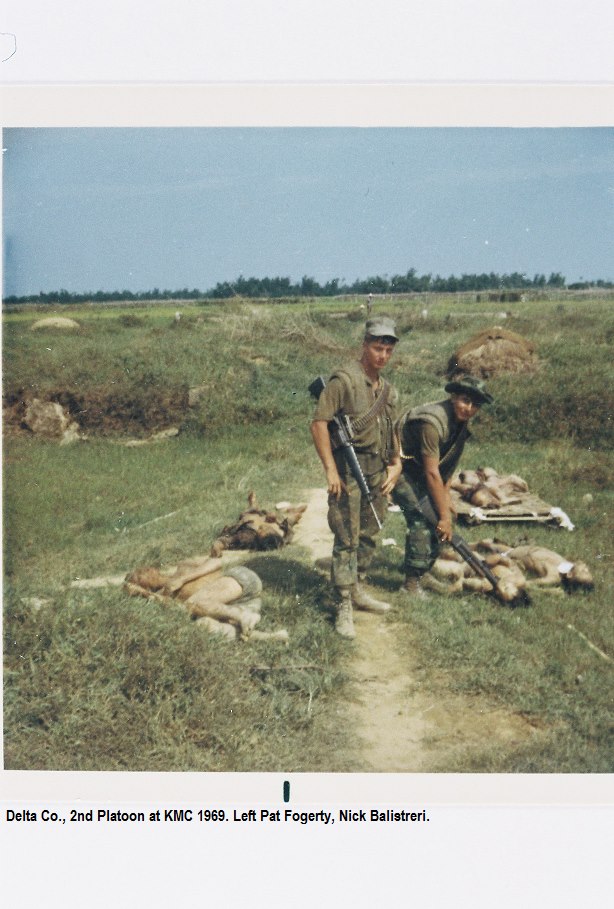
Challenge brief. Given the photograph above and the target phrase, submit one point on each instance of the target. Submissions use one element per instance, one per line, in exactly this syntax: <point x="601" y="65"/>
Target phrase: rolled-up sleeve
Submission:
<point x="429" y="441"/>
<point x="331" y="401"/>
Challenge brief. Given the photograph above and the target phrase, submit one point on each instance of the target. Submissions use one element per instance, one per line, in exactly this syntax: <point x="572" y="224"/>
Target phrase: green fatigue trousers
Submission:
<point x="354" y="527"/>
<point x="421" y="543"/>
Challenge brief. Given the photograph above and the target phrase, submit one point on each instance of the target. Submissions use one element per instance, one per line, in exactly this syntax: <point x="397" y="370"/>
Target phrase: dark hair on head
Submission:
<point x="467" y="394"/>
<point x="571" y="585"/>
<point x="385" y="339"/>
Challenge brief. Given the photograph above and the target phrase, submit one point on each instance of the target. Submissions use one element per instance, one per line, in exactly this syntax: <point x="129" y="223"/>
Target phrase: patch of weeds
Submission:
<point x="598" y="474"/>
<point x="113" y="683"/>
<point x="356" y="315"/>
<point x="130" y="320"/>
<point x="185" y="323"/>
<point x="584" y="415"/>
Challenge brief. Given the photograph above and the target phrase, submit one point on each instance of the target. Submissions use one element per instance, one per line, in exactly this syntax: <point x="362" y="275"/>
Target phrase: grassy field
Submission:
<point x="97" y="680"/>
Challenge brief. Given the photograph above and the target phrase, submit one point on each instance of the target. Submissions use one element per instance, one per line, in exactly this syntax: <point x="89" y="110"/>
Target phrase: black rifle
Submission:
<point x="341" y="432"/>
<point x="459" y="545"/>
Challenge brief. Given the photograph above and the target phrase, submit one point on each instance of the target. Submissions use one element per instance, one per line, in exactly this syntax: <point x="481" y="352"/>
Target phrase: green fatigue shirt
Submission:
<point x="431" y="430"/>
<point x="352" y="392"/>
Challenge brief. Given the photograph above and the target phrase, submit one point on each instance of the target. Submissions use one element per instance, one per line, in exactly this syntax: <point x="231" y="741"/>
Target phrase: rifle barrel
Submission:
<point x="473" y="560"/>
<point x="359" y="476"/>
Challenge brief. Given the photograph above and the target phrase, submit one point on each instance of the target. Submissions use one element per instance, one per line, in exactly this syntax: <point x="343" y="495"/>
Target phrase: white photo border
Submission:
<point x="306" y="105"/>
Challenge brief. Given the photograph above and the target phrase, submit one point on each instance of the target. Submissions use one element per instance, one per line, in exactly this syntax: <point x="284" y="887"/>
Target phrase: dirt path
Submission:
<point x="402" y="727"/>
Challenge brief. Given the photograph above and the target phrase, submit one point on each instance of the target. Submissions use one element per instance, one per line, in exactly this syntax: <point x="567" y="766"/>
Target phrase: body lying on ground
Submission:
<point x="518" y="568"/>
<point x="259" y="528"/>
<point x="485" y="488"/>
<point x="226" y="601"/>
<point x="543" y="567"/>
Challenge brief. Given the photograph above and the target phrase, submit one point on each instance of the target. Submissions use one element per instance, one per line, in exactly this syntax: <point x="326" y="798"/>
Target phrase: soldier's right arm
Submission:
<point x="439" y="492"/>
<point x="321" y="440"/>
<point x="440" y="496"/>
<point x="329" y="403"/>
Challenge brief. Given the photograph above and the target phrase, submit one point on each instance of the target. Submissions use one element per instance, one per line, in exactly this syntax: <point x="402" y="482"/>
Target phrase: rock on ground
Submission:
<point x="49" y="420"/>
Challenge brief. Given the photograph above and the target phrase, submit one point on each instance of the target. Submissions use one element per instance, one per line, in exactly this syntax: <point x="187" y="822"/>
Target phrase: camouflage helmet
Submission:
<point x="472" y="387"/>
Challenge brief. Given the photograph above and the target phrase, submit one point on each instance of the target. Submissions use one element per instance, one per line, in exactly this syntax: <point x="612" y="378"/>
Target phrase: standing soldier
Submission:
<point x="357" y="391"/>
<point x="432" y="438"/>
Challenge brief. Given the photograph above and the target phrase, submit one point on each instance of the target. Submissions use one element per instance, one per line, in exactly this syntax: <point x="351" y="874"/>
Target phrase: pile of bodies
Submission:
<point x="484" y="495"/>
<point x="226" y="600"/>
<point x="518" y="569"/>
<point x="485" y="488"/>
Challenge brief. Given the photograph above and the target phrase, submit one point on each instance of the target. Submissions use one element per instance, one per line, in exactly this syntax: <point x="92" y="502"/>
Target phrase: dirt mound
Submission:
<point x="54" y="322"/>
<point x="492" y="352"/>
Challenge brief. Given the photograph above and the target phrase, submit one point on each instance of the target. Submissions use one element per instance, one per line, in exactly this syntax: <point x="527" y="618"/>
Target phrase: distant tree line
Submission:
<point x="397" y="284"/>
<point x="309" y="287"/>
<point x="105" y="296"/>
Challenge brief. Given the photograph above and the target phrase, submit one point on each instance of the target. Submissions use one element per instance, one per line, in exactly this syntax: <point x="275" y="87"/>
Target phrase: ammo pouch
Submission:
<point x="370" y="461"/>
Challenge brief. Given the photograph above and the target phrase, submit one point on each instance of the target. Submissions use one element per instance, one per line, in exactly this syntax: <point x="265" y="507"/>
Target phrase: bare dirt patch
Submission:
<point x="406" y="729"/>
<point x="403" y="728"/>
<point x="124" y="411"/>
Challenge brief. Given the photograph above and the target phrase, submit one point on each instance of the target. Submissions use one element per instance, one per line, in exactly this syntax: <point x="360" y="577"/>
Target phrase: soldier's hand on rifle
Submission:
<point x="444" y="529"/>
<point x="440" y="497"/>
<point x="393" y="472"/>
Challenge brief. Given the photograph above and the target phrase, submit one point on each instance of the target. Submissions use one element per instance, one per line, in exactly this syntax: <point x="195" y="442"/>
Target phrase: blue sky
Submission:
<point x="114" y="208"/>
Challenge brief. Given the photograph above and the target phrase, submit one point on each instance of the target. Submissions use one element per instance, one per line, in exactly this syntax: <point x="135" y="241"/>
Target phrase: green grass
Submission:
<point x="527" y="659"/>
<point x="99" y="506"/>
<point x="101" y="681"/>
<point x="97" y="680"/>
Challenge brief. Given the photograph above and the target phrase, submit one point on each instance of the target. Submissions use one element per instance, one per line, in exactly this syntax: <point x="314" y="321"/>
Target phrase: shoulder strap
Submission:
<point x="349" y="375"/>
<point x="364" y="419"/>
<point x="433" y="414"/>
<point x="429" y="413"/>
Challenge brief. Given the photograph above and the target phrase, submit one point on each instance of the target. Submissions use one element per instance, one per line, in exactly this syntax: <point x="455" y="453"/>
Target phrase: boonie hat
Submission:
<point x="382" y="327"/>
<point x="472" y="387"/>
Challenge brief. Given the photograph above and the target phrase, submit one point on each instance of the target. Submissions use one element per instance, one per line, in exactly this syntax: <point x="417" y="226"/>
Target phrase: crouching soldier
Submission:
<point x="357" y="391"/>
<point x="432" y="438"/>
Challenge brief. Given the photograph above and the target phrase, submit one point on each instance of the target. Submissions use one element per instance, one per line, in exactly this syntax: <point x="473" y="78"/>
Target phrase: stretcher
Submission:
<point x="527" y="507"/>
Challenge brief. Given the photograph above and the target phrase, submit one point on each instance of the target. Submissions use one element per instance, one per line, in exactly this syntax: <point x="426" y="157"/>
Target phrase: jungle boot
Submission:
<point x="362" y="599"/>
<point x="414" y="588"/>
<point x="344" y="622"/>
